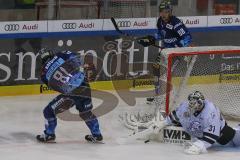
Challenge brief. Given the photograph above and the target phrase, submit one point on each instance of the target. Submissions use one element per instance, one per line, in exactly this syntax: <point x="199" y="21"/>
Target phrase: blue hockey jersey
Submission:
<point x="63" y="73"/>
<point x="173" y="34"/>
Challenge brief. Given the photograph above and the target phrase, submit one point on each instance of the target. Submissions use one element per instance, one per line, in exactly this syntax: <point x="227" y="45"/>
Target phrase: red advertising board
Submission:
<point x="225" y="9"/>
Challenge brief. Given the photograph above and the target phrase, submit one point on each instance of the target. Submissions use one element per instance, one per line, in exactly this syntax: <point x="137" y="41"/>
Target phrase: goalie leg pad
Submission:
<point x="236" y="138"/>
<point x="227" y="135"/>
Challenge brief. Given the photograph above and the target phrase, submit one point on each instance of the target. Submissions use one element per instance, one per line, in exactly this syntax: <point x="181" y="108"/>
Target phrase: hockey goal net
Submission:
<point x="128" y="8"/>
<point x="215" y="71"/>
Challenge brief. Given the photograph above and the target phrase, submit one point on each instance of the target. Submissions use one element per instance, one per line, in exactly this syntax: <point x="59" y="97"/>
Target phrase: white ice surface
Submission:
<point x="21" y="120"/>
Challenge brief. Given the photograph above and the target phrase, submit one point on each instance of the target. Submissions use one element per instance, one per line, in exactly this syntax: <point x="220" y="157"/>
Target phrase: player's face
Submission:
<point x="165" y="15"/>
<point x="193" y="106"/>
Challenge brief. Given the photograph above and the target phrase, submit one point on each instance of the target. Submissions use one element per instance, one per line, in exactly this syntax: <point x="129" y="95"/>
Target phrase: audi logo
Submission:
<point x="69" y="26"/>
<point x="11" y="27"/>
<point x="226" y="20"/>
<point x="124" y="23"/>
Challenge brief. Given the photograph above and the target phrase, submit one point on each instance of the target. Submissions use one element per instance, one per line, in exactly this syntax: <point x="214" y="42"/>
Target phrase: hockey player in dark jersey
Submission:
<point x="64" y="72"/>
<point x="171" y="31"/>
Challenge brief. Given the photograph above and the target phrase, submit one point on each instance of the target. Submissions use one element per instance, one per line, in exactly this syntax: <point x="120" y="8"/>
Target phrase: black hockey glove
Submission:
<point x="146" y="41"/>
<point x="45" y="54"/>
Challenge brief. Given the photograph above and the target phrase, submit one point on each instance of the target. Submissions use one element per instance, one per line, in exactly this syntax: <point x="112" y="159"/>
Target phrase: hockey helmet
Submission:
<point x="46" y="54"/>
<point x="195" y="101"/>
<point x="165" y="5"/>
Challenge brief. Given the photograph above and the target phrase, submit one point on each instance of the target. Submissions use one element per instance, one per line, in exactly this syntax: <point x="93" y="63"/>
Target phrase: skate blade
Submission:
<point x="50" y="142"/>
<point x="96" y="142"/>
<point x="150" y="103"/>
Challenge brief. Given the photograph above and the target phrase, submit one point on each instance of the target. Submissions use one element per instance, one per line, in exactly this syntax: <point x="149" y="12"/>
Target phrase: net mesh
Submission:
<point x="215" y="71"/>
<point x="93" y="9"/>
<point x="128" y="8"/>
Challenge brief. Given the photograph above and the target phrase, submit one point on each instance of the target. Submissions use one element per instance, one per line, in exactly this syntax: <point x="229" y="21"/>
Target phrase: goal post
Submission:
<point x="215" y="71"/>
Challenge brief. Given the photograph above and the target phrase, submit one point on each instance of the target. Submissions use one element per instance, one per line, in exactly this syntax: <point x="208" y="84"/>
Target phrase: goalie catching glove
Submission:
<point x="158" y="125"/>
<point x="153" y="126"/>
<point x="146" y="41"/>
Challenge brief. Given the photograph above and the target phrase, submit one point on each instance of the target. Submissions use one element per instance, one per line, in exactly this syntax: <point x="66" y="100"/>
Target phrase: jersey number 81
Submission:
<point x="62" y="75"/>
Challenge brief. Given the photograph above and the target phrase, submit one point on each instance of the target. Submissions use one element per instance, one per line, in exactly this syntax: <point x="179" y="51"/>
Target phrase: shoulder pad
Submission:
<point x="177" y="22"/>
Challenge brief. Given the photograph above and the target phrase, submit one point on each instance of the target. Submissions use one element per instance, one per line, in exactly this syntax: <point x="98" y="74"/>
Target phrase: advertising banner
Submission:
<point x="110" y="57"/>
<point x="133" y="23"/>
<point x="75" y="25"/>
<point x="225" y="9"/>
<point x="20" y="64"/>
<point x="196" y="21"/>
<point x="224" y="20"/>
<point x="23" y="27"/>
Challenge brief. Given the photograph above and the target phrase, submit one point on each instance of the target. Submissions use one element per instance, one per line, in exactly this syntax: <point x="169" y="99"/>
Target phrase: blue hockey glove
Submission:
<point x="186" y="41"/>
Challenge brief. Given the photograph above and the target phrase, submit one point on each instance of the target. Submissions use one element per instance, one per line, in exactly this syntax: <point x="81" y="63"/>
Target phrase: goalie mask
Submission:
<point x="195" y="101"/>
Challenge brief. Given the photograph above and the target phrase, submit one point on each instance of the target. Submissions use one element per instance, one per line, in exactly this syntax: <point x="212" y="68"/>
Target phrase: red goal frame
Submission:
<point x="173" y="54"/>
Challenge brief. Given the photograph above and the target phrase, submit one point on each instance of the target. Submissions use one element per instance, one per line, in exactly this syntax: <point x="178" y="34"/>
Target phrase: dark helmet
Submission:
<point x="165" y="4"/>
<point x="46" y="54"/>
<point x="195" y="101"/>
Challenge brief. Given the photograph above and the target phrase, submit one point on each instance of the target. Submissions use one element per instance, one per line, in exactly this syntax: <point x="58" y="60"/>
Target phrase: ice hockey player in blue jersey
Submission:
<point x="201" y="119"/>
<point x="63" y="72"/>
<point x="171" y="31"/>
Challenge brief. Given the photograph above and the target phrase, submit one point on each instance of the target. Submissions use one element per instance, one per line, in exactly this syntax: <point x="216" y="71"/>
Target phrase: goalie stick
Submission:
<point x="131" y="122"/>
<point x="176" y="95"/>
<point x="133" y="38"/>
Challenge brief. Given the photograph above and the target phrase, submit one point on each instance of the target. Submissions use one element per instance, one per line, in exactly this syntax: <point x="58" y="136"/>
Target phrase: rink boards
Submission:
<point x="20" y="64"/>
<point x="135" y="84"/>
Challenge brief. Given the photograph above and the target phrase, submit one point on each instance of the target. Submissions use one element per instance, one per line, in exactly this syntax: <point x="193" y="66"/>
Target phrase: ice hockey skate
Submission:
<point x="150" y="100"/>
<point x="46" y="138"/>
<point x="94" y="138"/>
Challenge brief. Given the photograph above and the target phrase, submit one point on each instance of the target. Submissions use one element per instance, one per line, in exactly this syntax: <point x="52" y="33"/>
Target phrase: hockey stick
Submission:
<point x="136" y="135"/>
<point x="133" y="38"/>
<point x="133" y="124"/>
<point x="155" y="126"/>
